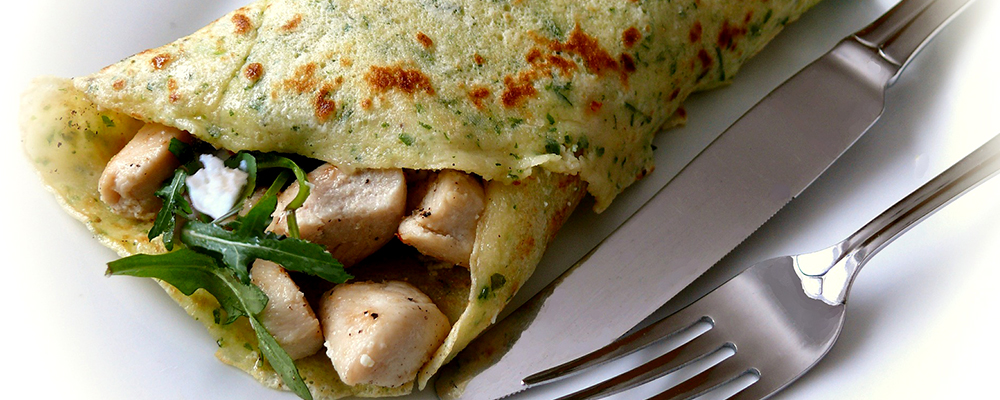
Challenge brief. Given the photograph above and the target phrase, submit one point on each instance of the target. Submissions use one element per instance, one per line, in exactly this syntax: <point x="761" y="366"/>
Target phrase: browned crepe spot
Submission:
<point x="729" y="34"/>
<point x="595" y="106"/>
<point x="383" y="79"/>
<point x="628" y="67"/>
<point x="254" y="71"/>
<point x="304" y="79"/>
<point x="516" y="91"/>
<point x="292" y="23"/>
<point x="564" y="65"/>
<point x="160" y="61"/>
<point x="172" y="87"/>
<point x="694" y="35"/>
<point x="242" y="24"/>
<point x="630" y="37"/>
<point x="595" y="58"/>
<point x="704" y="58"/>
<point x="477" y="95"/>
<point x="424" y="40"/>
<point x="324" y="105"/>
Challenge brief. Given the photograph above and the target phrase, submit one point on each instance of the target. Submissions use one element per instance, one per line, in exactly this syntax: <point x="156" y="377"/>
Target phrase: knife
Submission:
<point x="747" y="174"/>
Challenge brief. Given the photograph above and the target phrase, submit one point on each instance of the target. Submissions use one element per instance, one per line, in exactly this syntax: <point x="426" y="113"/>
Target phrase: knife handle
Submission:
<point x="901" y="32"/>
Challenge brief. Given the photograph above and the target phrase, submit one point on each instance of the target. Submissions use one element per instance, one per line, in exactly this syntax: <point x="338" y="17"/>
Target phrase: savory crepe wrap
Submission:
<point x="543" y="101"/>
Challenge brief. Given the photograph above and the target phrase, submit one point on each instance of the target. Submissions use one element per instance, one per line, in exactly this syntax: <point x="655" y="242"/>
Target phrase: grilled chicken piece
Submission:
<point x="287" y="316"/>
<point x="352" y="215"/>
<point x="380" y="333"/>
<point x="444" y="226"/>
<point x="131" y="178"/>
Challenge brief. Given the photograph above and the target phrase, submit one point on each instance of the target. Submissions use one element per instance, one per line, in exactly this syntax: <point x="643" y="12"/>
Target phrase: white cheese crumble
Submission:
<point x="367" y="361"/>
<point x="214" y="189"/>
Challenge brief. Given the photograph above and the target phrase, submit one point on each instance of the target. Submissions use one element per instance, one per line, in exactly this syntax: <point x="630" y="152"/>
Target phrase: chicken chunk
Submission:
<point x="444" y="226"/>
<point x="380" y="333"/>
<point x="287" y="316"/>
<point x="352" y="215"/>
<point x="131" y="178"/>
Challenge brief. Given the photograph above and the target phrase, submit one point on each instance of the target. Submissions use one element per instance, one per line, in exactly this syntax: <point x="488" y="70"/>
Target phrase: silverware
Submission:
<point x="766" y="158"/>
<point x="780" y="316"/>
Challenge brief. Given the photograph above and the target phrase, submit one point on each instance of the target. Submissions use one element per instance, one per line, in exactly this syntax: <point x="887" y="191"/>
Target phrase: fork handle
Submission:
<point x="852" y="253"/>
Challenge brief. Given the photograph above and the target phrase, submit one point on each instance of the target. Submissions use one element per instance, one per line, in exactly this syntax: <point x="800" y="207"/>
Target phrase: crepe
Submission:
<point x="544" y="100"/>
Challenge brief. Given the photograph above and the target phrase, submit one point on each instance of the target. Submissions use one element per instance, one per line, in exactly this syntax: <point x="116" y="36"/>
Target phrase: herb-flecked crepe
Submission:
<point x="544" y="100"/>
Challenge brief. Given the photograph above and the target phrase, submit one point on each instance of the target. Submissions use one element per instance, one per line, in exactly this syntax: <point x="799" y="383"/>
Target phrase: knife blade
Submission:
<point x="714" y="203"/>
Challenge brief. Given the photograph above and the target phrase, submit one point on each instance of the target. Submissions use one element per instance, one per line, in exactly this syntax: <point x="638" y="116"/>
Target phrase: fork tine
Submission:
<point x="724" y="372"/>
<point x="698" y="348"/>
<point x="667" y="327"/>
<point x="770" y="381"/>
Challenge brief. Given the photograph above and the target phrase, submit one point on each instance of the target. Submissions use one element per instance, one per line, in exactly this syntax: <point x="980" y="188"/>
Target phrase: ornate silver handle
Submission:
<point x="828" y="274"/>
<point x="902" y="31"/>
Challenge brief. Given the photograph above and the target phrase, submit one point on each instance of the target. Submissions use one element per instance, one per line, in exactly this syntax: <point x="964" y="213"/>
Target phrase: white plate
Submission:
<point x="920" y="318"/>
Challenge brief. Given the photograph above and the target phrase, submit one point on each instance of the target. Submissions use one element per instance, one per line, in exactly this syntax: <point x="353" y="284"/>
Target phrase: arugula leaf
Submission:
<point x="238" y="250"/>
<point x="188" y="271"/>
<point x="244" y="240"/>
<point x="238" y="244"/>
<point x="228" y="244"/>
<point x="279" y="182"/>
<point x="174" y="203"/>
<point x="293" y="224"/>
<point x="249" y="241"/>
<point x="181" y="150"/>
<point x="280" y="360"/>
<point x="251" y="225"/>
<point x="272" y="161"/>
<point x="258" y="218"/>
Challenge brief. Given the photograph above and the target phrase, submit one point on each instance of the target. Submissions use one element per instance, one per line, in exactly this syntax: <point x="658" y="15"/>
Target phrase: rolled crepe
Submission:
<point x="545" y="100"/>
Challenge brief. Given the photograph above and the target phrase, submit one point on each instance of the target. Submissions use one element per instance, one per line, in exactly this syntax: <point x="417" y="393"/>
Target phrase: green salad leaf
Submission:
<point x="187" y="270"/>
<point x="217" y="254"/>
<point x="174" y="203"/>
<point x="181" y="150"/>
<point x="258" y="218"/>
<point x="267" y="160"/>
<point x="280" y="360"/>
<point x="239" y="247"/>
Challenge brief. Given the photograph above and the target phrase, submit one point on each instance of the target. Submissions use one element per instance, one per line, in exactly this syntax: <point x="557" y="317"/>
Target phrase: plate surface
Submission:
<point x="921" y="315"/>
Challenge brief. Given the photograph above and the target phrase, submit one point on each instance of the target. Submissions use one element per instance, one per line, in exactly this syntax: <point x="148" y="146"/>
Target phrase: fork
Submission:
<point x="780" y="316"/>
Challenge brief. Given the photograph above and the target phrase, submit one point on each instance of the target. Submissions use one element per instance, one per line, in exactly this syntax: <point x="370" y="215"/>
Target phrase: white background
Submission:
<point x="921" y="318"/>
